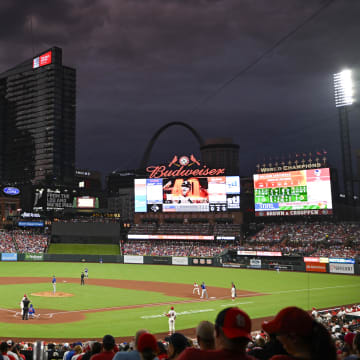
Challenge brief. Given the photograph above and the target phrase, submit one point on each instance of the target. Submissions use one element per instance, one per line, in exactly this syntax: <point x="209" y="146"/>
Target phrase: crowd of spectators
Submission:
<point x="30" y="242"/>
<point x="7" y="244"/>
<point x="295" y="239"/>
<point x="307" y="239"/>
<point x="186" y="229"/>
<point x="23" y="241"/>
<point x="201" y="248"/>
<point x="332" y="334"/>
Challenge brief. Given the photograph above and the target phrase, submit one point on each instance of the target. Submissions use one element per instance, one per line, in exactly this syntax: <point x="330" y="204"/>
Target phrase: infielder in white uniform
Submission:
<point x="172" y="316"/>
<point x="233" y="292"/>
<point x="196" y="288"/>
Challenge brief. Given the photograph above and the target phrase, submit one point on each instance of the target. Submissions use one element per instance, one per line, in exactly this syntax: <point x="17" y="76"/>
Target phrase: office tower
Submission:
<point x="37" y="121"/>
<point x="221" y="153"/>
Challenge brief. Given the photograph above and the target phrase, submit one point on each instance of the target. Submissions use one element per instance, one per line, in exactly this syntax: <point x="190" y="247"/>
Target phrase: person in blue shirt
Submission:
<point x="54" y="284"/>
<point x="31" y="311"/>
<point x="204" y="291"/>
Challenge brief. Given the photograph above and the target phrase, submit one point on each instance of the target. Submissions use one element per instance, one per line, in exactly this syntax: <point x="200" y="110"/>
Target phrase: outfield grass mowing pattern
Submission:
<point x="85" y="249"/>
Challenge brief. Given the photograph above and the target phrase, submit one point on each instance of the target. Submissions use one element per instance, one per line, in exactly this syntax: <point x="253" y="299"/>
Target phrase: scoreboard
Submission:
<point x="194" y="194"/>
<point x="293" y="191"/>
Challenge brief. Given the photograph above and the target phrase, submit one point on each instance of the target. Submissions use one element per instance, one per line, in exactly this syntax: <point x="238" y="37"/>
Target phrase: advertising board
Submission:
<point x="52" y="199"/>
<point x="341" y="268"/>
<point x="12" y="191"/>
<point x="8" y="257"/>
<point x="34" y="257"/>
<point x="133" y="259"/>
<point x="315" y="267"/>
<point x="341" y="261"/>
<point x="42" y="60"/>
<point x="255" y="263"/>
<point x="246" y="253"/>
<point x="201" y="261"/>
<point x="170" y="237"/>
<point x="31" y="223"/>
<point x="177" y="260"/>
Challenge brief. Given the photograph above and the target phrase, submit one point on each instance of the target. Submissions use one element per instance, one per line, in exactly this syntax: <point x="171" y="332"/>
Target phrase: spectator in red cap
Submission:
<point x="302" y="337"/>
<point x="147" y="346"/>
<point x="232" y="333"/>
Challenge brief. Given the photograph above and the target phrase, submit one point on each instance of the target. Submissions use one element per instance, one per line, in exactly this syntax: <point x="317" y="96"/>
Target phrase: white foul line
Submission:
<point x="237" y="303"/>
<point x="320" y="288"/>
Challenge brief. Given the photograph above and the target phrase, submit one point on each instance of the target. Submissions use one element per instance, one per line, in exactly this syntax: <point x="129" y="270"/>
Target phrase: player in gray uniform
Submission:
<point x="204" y="291"/>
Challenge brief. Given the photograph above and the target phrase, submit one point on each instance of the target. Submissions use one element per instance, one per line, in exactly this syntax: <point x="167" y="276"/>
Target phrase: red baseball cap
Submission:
<point x="147" y="341"/>
<point x="290" y="320"/>
<point x="172" y="308"/>
<point x="234" y="322"/>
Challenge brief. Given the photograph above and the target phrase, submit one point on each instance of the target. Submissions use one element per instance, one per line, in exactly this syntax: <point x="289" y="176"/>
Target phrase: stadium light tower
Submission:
<point x="343" y="99"/>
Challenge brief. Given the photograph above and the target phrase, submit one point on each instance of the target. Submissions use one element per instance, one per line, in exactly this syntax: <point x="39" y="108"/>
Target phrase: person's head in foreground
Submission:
<point x="137" y="336"/>
<point x="301" y="336"/>
<point x="232" y="334"/>
<point x="232" y="329"/>
<point x="108" y="343"/>
<point x="147" y="346"/>
<point x="205" y="335"/>
<point x="177" y="344"/>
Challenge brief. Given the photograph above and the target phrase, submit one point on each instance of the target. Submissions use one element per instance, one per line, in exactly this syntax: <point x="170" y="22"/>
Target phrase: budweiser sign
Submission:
<point x="183" y="164"/>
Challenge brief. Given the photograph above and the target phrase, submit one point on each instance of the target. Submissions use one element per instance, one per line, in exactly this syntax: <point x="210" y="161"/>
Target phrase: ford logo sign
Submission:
<point x="11" y="191"/>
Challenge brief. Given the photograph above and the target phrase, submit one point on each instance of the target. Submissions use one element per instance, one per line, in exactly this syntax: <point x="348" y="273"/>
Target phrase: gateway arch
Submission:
<point x="147" y="152"/>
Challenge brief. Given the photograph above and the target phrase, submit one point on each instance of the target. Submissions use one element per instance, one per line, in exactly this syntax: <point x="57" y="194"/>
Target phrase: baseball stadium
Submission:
<point x="198" y="239"/>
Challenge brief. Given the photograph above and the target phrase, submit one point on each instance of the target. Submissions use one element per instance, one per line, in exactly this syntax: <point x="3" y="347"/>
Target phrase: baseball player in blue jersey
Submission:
<point x="203" y="291"/>
<point x="53" y="281"/>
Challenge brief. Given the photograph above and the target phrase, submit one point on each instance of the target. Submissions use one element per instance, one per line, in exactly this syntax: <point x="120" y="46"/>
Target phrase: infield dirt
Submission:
<point x="51" y="316"/>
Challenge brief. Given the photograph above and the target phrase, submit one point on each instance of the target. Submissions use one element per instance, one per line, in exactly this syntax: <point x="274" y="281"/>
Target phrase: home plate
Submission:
<point x="212" y="297"/>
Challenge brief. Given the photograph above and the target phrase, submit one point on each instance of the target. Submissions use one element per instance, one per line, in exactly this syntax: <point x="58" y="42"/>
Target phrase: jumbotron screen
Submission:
<point x="292" y="191"/>
<point x="86" y="202"/>
<point x="196" y="194"/>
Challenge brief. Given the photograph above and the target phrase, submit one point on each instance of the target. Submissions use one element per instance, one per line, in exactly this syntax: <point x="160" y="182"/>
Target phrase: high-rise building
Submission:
<point x="37" y="121"/>
<point x="221" y="153"/>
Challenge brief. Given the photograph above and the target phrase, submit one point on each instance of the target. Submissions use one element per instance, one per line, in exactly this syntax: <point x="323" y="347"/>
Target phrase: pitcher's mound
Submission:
<point x="51" y="294"/>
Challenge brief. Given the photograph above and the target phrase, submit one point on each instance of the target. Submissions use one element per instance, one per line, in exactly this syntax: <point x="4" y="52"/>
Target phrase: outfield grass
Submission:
<point x="305" y="290"/>
<point x="86" y="249"/>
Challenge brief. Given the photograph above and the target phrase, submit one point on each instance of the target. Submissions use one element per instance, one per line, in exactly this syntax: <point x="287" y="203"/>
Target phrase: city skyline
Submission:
<point x="141" y="65"/>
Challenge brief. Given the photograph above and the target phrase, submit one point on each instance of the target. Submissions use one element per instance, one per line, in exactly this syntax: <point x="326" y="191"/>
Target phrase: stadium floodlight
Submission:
<point x="343" y="86"/>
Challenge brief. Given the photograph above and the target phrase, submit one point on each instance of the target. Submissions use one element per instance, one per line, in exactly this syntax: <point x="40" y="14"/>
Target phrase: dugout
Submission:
<point x="85" y="233"/>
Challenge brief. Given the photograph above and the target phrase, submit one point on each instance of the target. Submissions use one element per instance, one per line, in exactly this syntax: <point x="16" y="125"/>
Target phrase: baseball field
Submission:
<point x="120" y="299"/>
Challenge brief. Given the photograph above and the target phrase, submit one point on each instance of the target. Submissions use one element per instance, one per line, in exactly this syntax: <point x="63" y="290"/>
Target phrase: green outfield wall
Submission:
<point x="274" y="263"/>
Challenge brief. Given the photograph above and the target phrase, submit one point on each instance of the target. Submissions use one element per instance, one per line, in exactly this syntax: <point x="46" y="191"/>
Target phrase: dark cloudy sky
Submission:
<point x="143" y="63"/>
